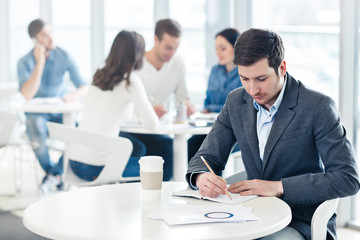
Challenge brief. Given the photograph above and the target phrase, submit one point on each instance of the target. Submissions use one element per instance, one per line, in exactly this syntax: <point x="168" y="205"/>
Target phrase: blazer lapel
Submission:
<point x="248" y="114"/>
<point x="284" y="116"/>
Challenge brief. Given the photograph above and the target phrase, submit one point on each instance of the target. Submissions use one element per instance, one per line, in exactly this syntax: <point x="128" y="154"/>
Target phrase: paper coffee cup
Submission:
<point x="151" y="175"/>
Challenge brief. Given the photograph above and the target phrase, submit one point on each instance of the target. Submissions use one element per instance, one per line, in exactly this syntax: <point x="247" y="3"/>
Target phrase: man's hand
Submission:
<point x="258" y="187"/>
<point x="39" y="54"/>
<point x="190" y="108"/>
<point x="160" y="110"/>
<point x="210" y="185"/>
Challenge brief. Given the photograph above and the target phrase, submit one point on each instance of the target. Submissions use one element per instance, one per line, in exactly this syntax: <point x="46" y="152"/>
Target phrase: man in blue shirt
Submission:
<point x="41" y="74"/>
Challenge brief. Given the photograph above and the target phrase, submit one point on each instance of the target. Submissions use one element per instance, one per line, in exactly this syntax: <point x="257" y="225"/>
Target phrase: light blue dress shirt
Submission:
<point x="52" y="81"/>
<point x="220" y="84"/>
<point x="265" y="120"/>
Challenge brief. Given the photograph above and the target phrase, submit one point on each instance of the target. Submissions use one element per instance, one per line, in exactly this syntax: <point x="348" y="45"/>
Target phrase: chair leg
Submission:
<point x="11" y="194"/>
<point x="18" y="171"/>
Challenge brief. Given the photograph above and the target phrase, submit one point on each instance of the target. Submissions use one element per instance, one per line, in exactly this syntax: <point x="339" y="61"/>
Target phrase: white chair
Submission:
<point x="321" y="218"/>
<point x="8" y="125"/>
<point x="116" y="151"/>
<point x="321" y="215"/>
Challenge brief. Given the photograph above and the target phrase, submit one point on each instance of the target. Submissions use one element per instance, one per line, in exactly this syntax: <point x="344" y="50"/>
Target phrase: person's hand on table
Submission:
<point x="210" y="185"/>
<point x="76" y="95"/>
<point x="190" y="108"/>
<point x="257" y="187"/>
<point x="160" y="110"/>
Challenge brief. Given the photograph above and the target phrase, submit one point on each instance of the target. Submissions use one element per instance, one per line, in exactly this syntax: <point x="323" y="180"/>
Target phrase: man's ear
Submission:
<point x="156" y="39"/>
<point x="282" y="68"/>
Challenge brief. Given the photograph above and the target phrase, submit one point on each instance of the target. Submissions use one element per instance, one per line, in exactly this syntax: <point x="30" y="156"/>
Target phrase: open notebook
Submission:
<point x="236" y="198"/>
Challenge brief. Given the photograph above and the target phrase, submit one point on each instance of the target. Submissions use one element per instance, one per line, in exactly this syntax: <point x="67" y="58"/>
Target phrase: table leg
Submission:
<point x="69" y="118"/>
<point x="180" y="157"/>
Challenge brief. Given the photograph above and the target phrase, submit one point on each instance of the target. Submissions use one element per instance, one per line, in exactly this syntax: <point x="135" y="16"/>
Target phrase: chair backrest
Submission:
<point x="7" y="125"/>
<point x="321" y="218"/>
<point x="116" y="150"/>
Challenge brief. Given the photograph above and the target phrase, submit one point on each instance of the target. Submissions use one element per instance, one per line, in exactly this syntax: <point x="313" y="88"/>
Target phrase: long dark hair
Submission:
<point x="126" y="55"/>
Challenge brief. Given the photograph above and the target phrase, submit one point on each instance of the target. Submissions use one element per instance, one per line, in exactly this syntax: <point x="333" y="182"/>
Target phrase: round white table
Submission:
<point x="118" y="212"/>
<point x="180" y="147"/>
<point x="52" y="105"/>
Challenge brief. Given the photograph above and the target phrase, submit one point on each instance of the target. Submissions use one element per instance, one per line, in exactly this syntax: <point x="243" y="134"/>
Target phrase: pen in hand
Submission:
<point x="207" y="165"/>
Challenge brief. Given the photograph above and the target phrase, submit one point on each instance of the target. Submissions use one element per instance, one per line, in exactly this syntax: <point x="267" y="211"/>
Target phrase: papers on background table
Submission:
<point x="236" y="198"/>
<point x="180" y="214"/>
<point x="47" y="101"/>
<point x="202" y="119"/>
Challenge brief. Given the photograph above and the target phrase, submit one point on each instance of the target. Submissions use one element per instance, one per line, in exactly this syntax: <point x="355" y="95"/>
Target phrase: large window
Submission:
<point x="135" y="15"/>
<point x="20" y="42"/>
<point x="310" y="31"/>
<point x="192" y="18"/>
<point x="71" y="31"/>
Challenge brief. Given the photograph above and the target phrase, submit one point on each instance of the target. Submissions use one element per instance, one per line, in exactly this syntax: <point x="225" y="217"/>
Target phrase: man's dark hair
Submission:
<point x="168" y="26"/>
<point x="256" y="44"/>
<point x="35" y="27"/>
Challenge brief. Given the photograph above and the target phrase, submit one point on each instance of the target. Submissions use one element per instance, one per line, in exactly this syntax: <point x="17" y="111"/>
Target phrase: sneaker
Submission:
<point x="51" y="183"/>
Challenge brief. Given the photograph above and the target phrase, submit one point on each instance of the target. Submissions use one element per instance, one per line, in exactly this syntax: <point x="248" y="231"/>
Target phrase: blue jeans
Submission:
<point x="37" y="130"/>
<point x="132" y="169"/>
<point x="157" y="145"/>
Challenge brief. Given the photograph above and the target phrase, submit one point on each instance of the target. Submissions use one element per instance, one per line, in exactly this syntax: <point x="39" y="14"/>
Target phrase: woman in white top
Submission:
<point x="115" y="94"/>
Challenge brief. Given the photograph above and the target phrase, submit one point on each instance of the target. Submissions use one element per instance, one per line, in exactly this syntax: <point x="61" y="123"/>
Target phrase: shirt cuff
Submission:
<point x="192" y="181"/>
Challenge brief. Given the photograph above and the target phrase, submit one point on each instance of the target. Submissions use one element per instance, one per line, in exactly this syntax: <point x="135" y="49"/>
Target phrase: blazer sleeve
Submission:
<point x="340" y="175"/>
<point x="216" y="146"/>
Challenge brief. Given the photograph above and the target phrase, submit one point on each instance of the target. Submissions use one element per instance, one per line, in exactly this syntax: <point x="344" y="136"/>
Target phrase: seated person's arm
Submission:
<point x="76" y="94"/>
<point x="30" y="85"/>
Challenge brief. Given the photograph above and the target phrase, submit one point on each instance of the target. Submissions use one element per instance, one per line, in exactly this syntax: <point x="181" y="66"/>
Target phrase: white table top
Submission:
<point x="118" y="212"/>
<point x="169" y="128"/>
<point x="48" y="105"/>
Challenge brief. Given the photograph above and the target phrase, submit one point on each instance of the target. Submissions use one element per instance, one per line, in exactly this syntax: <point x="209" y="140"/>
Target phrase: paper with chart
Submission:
<point x="236" y="198"/>
<point x="180" y="214"/>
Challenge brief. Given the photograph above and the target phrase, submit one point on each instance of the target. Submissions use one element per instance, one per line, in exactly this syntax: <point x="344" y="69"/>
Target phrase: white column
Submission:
<point x="46" y="11"/>
<point x="161" y="9"/>
<point x="348" y="87"/>
<point x="242" y="14"/>
<point x="97" y="34"/>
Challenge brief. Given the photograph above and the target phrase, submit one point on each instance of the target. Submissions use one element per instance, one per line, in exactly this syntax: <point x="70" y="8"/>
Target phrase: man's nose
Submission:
<point x="253" y="88"/>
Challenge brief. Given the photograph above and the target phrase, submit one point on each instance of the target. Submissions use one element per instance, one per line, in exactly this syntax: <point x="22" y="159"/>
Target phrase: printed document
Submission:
<point x="180" y="214"/>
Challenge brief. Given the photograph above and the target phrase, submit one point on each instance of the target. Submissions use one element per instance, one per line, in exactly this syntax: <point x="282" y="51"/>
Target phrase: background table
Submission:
<point x="52" y="105"/>
<point x="118" y="212"/>
<point x="180" y="147"/>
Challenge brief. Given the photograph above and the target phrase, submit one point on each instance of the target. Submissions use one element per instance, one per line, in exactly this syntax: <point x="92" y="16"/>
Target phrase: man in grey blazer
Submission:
<point x="292" y="142"/>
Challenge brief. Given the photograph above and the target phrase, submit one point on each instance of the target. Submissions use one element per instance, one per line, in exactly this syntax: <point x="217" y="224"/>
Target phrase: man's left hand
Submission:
<point x="258" y="187"/>
<point x="190" y="108"/>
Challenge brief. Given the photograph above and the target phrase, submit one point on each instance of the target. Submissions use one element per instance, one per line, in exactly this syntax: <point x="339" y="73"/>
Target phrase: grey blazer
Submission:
<point x="307" y="150"/>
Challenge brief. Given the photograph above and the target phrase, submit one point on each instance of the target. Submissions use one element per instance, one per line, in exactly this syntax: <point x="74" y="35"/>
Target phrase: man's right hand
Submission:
<point x="210" y="185"/>
<point x="160" y="110"/>
<point x="39" y="53"/>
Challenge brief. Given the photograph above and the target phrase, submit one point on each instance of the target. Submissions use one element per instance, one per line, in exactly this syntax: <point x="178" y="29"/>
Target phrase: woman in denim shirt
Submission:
<point x="223" y="79"/>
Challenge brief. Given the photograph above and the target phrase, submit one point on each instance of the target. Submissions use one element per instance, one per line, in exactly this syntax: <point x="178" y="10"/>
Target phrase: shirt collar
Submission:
<point x="51" y="56"/>
<point x="278" y="101"/>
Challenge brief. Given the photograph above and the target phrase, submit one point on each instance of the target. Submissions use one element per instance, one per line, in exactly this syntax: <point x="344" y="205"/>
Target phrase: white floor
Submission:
<point x="32" y="174"/>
